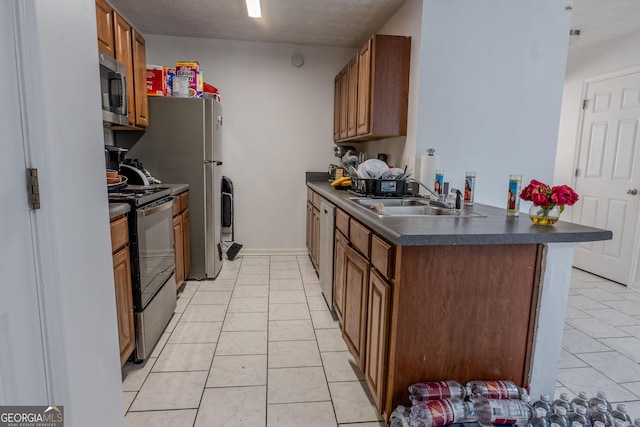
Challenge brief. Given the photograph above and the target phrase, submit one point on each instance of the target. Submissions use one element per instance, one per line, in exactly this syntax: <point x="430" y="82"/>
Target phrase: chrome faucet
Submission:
<point x="439" y="197"/>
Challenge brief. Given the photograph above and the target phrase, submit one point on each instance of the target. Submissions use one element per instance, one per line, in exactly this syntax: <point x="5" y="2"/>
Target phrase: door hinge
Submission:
<point x="577" y="172"/>
<point x="584" y="104"/>
<point x="33" y="190"/>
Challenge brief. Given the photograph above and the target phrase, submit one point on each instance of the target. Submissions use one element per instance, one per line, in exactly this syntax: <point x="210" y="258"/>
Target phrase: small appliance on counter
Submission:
<point x="114" y="156"/>
<point x="136" y="173"/>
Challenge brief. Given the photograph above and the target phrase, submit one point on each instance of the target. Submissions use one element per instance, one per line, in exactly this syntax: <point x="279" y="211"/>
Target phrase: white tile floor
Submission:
<point x="601" y="345"/>
<point x="255" y="347"/>
<point x="258" y="346"/>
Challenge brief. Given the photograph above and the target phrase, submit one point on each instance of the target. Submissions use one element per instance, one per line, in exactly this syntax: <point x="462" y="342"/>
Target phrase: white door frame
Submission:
<point x="634" y="276"/>
<point x="36" y="148"/>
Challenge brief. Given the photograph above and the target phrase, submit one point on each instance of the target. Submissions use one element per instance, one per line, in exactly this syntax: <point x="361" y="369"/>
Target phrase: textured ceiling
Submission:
<point x="346" y="23"/>
<point x="601" y="20"/>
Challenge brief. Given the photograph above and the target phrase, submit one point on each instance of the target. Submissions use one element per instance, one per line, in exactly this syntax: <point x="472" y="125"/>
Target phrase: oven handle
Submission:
<point x="146" y="211"/>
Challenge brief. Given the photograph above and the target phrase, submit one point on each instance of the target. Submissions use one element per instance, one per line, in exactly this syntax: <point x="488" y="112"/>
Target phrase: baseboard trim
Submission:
<point x="266" y="252"/>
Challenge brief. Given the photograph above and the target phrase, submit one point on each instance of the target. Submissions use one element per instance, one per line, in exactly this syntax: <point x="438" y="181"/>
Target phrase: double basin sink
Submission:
<point x="409" y="206"/>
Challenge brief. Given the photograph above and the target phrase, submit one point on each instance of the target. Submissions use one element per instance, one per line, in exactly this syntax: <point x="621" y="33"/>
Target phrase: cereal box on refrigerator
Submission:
<point x="169" y="74"/>
<point x="190" y="71"/>
<point x="156" y="83"/>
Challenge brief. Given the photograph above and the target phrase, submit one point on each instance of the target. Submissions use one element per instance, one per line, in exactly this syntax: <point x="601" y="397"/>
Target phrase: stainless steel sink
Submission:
<point x="411" y="207"/>
<point x="413" y="201"/>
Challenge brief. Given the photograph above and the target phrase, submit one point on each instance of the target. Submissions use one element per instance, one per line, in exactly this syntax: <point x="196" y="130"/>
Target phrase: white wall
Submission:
<point x="278" y="123"/>
<point x="582" y="64"/>
<point x="78" y="270"/>
<point x="490" y="89"/>
<point x="407" y="21"/>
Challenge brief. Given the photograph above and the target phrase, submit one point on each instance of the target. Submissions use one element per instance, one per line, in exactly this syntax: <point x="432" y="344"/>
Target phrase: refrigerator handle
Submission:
<point x="215" y="162"/>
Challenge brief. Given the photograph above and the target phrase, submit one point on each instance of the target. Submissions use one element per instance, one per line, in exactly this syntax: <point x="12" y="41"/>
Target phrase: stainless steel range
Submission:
<point x="152" y="261"/>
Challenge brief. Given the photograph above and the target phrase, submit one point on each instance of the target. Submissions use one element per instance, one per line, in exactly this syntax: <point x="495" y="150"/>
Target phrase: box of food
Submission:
<point x="189" y="74"/>
<point x="156" y="81"/>
<point x="169" y="74"/>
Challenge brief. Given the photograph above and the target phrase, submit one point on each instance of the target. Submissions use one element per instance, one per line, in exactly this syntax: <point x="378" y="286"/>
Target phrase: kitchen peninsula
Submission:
<point x="448" y="298"/>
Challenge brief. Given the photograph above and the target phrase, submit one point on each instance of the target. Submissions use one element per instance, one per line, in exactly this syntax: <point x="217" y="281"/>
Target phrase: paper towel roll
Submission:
<point x="428" y="166"/>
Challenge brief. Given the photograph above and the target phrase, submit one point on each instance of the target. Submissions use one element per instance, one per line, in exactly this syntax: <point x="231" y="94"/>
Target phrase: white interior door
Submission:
<point x="22" y="371"/>
<point x="608" y="176"/>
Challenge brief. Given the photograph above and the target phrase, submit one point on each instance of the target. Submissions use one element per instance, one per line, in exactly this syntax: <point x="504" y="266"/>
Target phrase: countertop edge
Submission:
<point x="523" y="233"/>
<point x="117" y="209"/>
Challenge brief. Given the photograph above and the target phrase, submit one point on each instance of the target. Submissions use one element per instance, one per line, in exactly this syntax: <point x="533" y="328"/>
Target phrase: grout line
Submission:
<point x="216" y="348"/>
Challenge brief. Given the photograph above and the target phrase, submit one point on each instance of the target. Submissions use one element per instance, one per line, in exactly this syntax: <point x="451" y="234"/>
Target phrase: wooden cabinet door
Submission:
<point x="336" y="108"/>
<point x="344" y="100"/>
<point x="341" y="243"/>
<point x="186" y="242"/>
<point x="356" y="282"/>
<point x="104" y="22"/>
<point x="140" y="80"/>
<point x="352" y="97"/>
<point x="378" y="307"/>
<point x="364" y="90"/>
<point x="124" y="303"/>
<point x="124" y="54"/>
<point x="178" y="246"/>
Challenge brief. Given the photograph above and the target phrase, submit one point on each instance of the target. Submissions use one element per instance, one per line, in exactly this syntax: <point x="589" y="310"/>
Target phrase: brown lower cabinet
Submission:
<point x="181" y="239"/>
<point x="122" y="283"/>
<point x="340" y="247"/>
<point x="178" y="243"/>
<point x="313" y="228"/>
<point x="430" y="313"/>
<point x="356" y="285"/>
<point x="186" y="241"/>
<point x="378" y="304"/>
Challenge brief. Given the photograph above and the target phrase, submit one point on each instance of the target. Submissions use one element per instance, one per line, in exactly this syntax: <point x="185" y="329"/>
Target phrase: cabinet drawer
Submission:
<point x="342" y="222"/>
<point x="309" y="195"/>
<point x="184" y="200"/>
<point x="176" y="205"/>
<point x="316" y="200"/>
<point x="119" y="233"/>
<point x="360" y="237"/>
<point x="382" y="256"/>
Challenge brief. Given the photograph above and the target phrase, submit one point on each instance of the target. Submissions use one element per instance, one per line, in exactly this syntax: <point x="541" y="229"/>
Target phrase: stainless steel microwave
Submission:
<point x="113" y="87"/>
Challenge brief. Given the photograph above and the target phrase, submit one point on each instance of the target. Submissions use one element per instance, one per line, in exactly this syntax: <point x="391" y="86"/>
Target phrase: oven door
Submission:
<point x="155" y="246"/>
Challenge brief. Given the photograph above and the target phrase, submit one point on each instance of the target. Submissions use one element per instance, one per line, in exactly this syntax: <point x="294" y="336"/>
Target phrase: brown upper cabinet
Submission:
<point x="119" y="39"/>
<point x="140" y="79"/>
<point x="336" y="108"/>
<point x="376" y="82"/>
<point x="344" y="101"/>
<point x="104" y="19"/>
<point x="353" y="92"/>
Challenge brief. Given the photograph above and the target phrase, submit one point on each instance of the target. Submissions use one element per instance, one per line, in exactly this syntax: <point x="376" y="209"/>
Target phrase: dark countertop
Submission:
<point x="495" y="228"/>
<point x="175" y="188"/>
<point x="117" y="209"/>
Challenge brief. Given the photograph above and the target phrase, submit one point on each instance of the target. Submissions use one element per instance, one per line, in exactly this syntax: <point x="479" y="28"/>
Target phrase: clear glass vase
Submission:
<point x="544" y="215"/>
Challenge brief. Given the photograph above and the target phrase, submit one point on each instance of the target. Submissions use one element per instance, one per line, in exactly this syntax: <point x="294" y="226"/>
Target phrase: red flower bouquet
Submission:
<point x="547" y="199"/>
<point x="543" y="195"/>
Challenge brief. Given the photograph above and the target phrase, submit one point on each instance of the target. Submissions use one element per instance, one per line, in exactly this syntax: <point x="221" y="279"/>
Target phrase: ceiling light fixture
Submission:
<point x="253" y="8"/>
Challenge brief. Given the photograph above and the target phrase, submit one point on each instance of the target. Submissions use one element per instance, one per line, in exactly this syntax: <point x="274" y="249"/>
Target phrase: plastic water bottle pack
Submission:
<point x="503" y="403"/>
